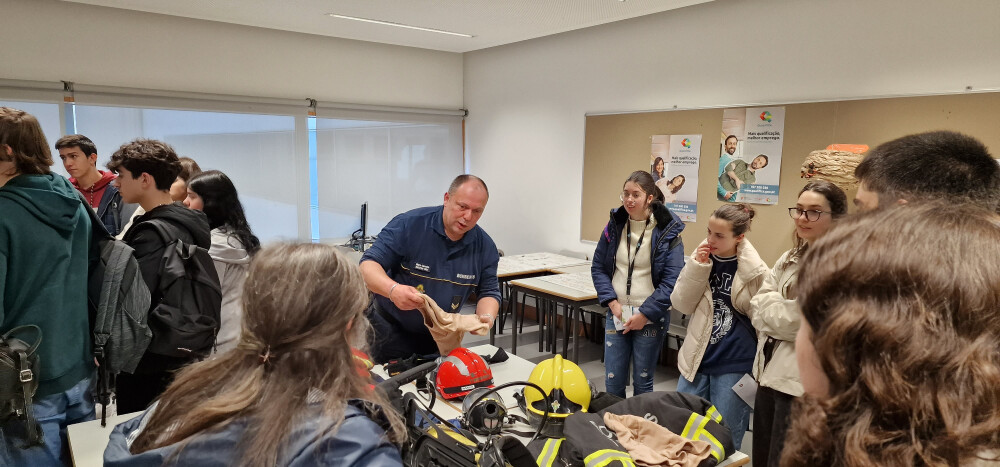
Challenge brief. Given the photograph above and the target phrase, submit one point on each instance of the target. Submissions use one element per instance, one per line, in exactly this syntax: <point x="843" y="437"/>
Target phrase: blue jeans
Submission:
<point x="53" y="413"/>
<point x="718" y="389"/>
<point x="641" y="348"/>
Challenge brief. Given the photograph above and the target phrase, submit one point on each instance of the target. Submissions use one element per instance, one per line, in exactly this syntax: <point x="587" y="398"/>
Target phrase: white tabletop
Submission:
<point x="535" y="262"/>
<point x="575" y="287"/>
<point x="573" y="269"/>
<point x="88" y="439"/>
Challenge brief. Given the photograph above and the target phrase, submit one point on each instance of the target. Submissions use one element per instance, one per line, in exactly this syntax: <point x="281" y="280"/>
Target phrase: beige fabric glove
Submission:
<point x="651" y="444"/>
<point x="447" y="329"/>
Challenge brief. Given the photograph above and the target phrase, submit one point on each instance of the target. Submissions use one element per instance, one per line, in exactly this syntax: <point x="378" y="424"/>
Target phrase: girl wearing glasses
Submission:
<point x="715" y="288"/>
<point x="775" y="315"/>
<point x="635" y="266"/>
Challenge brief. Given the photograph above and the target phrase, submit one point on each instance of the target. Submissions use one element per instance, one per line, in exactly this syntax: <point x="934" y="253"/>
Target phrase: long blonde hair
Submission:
<point x="303" y="308"/>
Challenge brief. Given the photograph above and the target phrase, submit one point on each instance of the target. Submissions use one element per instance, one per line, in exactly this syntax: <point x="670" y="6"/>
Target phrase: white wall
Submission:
<point x="525" y="131"/>
<point x="49" y="40"/>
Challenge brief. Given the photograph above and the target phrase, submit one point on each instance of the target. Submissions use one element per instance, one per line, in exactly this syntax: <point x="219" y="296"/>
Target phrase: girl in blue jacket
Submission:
<point x="289" y="394"/>
<point x="636" y="263"/>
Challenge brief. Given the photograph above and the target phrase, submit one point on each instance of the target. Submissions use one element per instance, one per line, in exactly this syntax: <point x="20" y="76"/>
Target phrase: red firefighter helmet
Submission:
<point x="461" y="372"/>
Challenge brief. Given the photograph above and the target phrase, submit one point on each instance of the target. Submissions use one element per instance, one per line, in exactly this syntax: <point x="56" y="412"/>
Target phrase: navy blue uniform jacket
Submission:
<point x="414" y="250"/>
<point x="667" y="261"/>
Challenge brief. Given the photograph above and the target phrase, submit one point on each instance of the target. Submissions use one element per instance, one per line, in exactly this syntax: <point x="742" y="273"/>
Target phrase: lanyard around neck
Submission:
<point x="628" y="250"/>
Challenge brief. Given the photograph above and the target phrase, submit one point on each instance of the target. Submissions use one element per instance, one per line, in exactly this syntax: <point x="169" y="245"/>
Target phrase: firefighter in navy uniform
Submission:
<point x="438" y="251"/>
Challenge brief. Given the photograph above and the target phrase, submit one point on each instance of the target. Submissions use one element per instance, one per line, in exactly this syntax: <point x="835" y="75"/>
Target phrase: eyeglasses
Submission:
<point x="812" y="215"/>
<point x="626" y="195"/>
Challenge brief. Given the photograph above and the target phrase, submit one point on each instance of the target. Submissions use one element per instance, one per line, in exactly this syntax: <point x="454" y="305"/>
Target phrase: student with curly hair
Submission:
<point x="899" y="351"/>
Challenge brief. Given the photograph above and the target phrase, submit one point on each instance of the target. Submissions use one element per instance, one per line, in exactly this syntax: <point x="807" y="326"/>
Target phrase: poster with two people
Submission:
<point x="750" y="160"/>
<point x="674" y="165"/>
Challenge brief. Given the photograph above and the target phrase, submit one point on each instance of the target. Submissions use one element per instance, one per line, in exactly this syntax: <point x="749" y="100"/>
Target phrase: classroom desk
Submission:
<point x="87" y="440"/>
<point x="516" y="369"/>
<point x="571" y="290"/>
<point x="573" y="269"/>
<point x="524" y="266"/>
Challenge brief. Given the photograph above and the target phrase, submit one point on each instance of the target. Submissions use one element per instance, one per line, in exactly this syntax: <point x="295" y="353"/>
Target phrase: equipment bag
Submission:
<point x="186" y="320"/>
<point x="19" y="380"/>
<point x="118" y="302"/>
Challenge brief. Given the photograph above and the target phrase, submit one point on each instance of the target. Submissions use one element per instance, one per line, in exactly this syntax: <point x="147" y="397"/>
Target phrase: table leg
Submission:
<point x="542" y="314"/>
<point x="514" y="331"/>
<point x="553" y="346"/>
<point x="504" y="295"/>
<point x="569" y="323"/>
<point x="574" y="333"/>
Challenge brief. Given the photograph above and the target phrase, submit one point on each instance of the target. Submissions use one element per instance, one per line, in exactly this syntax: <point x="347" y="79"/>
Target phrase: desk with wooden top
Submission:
<point x="88" y="440"/>
<point x="515" y="369"/>
<point x="570" y="290"/>
<point x="524" y="266"/>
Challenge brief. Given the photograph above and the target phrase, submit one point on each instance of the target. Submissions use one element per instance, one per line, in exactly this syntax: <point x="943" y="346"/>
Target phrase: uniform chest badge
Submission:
<point x="420" y="288"/>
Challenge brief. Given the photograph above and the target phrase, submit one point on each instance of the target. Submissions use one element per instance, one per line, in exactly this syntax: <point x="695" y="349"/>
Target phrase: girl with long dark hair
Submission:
<point x="233" y="244"/>
<point x="635" y="266"/>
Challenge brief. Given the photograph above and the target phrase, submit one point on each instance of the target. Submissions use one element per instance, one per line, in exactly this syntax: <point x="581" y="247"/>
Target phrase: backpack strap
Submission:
<point x="673" y="243"/>
<point x="26" y="376"/>
<point x="159" y="226"/>
<point x="96" y="225"/>
<point x="116" y="205"/>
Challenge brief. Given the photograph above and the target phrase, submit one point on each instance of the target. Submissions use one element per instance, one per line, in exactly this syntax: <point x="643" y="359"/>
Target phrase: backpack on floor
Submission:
<point x="186" y="320"/>
<point x="119" y="304"/>
<point x="19" y="381"/>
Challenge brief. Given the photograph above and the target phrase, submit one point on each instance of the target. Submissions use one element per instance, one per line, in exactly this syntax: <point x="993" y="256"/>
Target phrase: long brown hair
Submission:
<point x="834" y="196"/>
<point x="303" y="308"/>
<point x="904" y="308"/>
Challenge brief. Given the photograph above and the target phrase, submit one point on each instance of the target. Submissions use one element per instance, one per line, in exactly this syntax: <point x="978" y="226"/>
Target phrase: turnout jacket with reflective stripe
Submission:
<point x="588" y="442"/>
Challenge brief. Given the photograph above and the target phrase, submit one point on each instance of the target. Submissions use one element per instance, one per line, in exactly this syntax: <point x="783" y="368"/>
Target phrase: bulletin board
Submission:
<point x="618" y="144"/>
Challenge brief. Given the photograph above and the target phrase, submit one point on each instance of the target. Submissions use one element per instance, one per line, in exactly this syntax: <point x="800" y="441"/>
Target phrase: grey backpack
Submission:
<point x="119" y="309"/>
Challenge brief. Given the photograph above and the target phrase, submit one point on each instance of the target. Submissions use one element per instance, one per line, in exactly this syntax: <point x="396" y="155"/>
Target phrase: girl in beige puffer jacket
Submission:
<point x="776" y="316"/>
<point x="715" y="288"/>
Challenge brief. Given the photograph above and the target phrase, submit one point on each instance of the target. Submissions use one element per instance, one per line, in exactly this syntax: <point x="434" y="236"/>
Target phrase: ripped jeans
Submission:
<point x="641" y="348"/>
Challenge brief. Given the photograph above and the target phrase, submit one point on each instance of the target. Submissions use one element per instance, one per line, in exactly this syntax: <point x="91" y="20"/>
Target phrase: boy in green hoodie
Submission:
<point x="44" y="242"/>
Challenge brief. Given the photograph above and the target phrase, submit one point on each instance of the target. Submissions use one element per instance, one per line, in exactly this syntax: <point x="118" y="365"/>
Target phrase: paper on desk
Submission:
<point x="581" y="281"/>
<point x="746" y="388"/>
<point x="535" y="262"/>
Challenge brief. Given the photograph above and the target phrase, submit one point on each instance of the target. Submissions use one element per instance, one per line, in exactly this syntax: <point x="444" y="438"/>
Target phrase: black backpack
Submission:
<point x="186" y="320"/>
<point x="19" y="380"/>
<point x="119" y="304"/>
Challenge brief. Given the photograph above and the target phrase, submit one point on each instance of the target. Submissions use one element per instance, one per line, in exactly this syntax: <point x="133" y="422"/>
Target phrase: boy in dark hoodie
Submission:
<point x="79" y="157"/>
<point x="146" y="168"/>
<point x="44" y="242"/>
